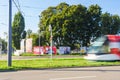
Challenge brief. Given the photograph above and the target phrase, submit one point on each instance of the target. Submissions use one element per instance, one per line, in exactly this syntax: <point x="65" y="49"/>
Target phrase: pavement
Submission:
<point x="83" y="73"/>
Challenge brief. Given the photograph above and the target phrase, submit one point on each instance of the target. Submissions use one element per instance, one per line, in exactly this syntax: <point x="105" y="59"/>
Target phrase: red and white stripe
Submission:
<point x="114" y="43"/>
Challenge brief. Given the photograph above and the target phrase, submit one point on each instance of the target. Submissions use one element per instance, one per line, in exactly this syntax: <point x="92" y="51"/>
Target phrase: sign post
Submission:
<point x="0" y="48"/>
<point x="50" y="29"/>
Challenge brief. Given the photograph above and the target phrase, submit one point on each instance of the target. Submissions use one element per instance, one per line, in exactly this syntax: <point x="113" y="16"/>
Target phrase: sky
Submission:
<point x="31" y="10"/>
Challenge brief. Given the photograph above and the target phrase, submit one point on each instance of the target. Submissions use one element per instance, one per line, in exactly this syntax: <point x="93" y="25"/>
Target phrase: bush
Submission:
<point x="27" y="54"/>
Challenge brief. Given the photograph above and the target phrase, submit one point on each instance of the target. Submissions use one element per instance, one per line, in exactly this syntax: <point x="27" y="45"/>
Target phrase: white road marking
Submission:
<point x="73" y="78"/>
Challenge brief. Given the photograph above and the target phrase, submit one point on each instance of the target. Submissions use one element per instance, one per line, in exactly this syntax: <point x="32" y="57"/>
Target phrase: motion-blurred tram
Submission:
<point x="106" y="48"/>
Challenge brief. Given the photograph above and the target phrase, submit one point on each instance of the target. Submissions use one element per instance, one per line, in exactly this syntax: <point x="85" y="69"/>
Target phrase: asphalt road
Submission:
<point x="88" y="73"/>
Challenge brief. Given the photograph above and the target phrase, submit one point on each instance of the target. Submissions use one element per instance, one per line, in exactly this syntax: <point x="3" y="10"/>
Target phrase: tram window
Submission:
<point x="99" y="46"/>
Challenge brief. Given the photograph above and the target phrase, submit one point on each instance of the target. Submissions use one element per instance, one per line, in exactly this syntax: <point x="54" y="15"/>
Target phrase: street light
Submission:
<point x="50" y="29"/>
<point x="39" y="42"/>
<point x="39" y="35"/>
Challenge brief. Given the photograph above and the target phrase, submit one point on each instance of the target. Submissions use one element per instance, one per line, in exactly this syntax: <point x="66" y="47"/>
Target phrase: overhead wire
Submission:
<point x="17" y="5"/>
<point x="31" y="7"/>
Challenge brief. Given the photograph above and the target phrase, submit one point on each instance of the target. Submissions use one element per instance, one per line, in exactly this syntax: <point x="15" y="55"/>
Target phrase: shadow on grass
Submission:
<point x="88" y="68"/>
<point x="24" y="69"/>
<point x="7" y="70"/>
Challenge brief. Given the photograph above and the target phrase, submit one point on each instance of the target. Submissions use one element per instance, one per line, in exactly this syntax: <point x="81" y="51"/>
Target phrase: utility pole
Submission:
<point x="10" y="34"/>
<point x="0" y="47"/>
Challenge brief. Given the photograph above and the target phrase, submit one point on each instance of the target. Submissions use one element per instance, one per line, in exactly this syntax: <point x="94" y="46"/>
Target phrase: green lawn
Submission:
<point x="54" y="63"/>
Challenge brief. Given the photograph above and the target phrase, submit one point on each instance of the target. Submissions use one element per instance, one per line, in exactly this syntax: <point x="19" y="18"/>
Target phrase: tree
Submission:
<point x="106" y="23"/>
<point x="94" y="12"/>
<point x="35" y="39"/>
<point x="52" y="16"/>
<point x="73" y="24"/>
<point x="68" y="24"/>
<point x="3" y="45"/>
<point x="115" y="24"/>
<point x="23" y="35"/>
<point x="28" y="33"/>
<point x="110" y="24"/>
<point x="17" y="29"/>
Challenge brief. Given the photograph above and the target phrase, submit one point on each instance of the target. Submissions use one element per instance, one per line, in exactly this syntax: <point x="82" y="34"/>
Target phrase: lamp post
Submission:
<point x="50" y="29"/>
<point x="39" y="36"/>
<point x="39" y="42"/>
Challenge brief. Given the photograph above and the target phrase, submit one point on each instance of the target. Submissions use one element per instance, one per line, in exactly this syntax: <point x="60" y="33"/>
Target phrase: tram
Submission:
<point x="106" y="48"/>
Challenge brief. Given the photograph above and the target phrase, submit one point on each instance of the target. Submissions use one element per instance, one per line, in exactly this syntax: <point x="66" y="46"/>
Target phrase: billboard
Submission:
<point x="29" y="45"/>
<point x="22" y="45"/>
<point x="40" y="50"/>
<point x="64" y="50"/>
<point x="47" y="49"/>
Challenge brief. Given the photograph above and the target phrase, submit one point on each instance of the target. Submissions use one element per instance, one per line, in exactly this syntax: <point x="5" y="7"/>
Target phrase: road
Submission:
<point x="84" y="73"/>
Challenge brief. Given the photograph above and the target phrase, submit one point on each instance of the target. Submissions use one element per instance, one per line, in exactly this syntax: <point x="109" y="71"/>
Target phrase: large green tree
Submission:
<point x="67" y="23"/>
<point x="110" y="24"/>
<point x="52" y="16"/>
<point x="73" y="24"/>
<point x="94" y="19"/>
<point x="115" y="24"/>
<point x="106" y="23"/>
<point x="18" y="27"/>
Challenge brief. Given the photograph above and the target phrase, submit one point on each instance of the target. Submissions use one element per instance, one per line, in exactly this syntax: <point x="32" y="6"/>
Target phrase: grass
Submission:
<point x="54" y="63"/>
<point x="28" y="54"/>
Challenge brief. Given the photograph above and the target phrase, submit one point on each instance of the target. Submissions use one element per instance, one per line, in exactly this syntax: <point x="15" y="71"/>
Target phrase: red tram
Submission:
<point x="106" y="48"/>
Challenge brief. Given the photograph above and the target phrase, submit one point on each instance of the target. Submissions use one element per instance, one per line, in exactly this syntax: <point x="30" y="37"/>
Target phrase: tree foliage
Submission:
<point x="110" y="24"/>
<point x="23" y="35"/>
<point x="17" y="29"/>
<point x="3" y="45"/>
<point x="35" y="39"/>
<point x="73" y="24"/>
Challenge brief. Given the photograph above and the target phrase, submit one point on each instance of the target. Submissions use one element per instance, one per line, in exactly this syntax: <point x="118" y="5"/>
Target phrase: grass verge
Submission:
<point x="54" y="63"/>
